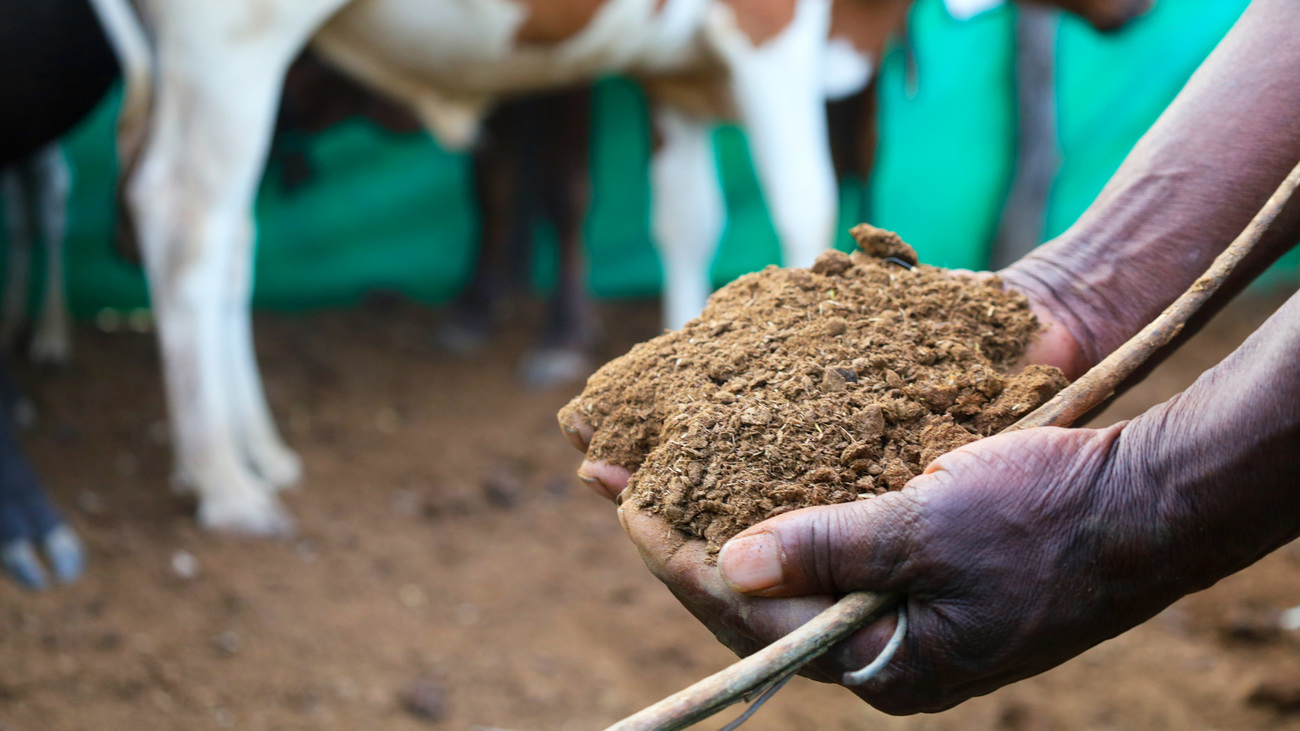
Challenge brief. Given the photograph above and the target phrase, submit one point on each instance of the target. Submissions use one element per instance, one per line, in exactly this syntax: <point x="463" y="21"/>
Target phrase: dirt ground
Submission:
<point x="448" y="566"/>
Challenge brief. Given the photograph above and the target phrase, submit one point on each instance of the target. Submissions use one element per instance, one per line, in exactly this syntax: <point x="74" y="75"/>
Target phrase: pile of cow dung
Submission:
<point x="800" y="387"/>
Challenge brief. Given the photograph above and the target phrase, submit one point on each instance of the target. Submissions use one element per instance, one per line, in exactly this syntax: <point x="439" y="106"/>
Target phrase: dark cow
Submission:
<point x="530" y="164"/>
<point x="55" y="66"/>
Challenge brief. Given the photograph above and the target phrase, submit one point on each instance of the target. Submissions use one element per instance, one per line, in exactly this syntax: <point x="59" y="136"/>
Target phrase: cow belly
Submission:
<point x="55" y="66"/>
<point x="469" y="48"/>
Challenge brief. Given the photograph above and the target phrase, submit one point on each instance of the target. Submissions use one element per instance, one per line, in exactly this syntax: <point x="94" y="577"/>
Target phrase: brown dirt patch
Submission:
<point x="800" y="387"/>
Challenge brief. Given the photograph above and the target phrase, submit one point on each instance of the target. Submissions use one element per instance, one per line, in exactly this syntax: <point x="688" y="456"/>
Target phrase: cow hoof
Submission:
<point x="551" y="367"/>
<point x="63" y="553"/>
<point x="278" y="465"/>
<point x="66" y="554"/>
<point x="460" y="338"/>
<point x="250" y="513"/>
<point x="20" y="562"/>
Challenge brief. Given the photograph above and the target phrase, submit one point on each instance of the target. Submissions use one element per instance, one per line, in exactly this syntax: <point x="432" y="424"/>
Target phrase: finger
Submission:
<point x="683" y="565"/>
<point x="20" y="562"/>
<point x="658" y="543"/>
<point x="1054" y="345"/>
<point x="65" y="553"/>
<point x="742" y="623"/>
<point x="833" y="549"/>
<point x="907" y="683"/>
<point x="604" y="479"/>
<point x="575" y="428"/>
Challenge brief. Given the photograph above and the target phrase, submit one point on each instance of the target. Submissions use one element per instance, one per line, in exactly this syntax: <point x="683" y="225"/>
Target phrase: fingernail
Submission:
<point x="598" y="487"/>
<point x="569" y="425"/>
<point x="751" y="563"/>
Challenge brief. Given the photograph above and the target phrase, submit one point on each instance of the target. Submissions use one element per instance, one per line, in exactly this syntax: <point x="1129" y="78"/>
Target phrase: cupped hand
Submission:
<point x="1014" y="553"/>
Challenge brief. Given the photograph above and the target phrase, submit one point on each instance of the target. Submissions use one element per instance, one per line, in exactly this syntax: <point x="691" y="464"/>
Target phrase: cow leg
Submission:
<point x="52" y="339"/>
<point x="255" y="430"/>
<point x="192" y="198"/>
<point x="469" y="320"/>
<point x="563" y="182"/>
<point x="851" y="122"/>
<point x="14" y="188"/>
<point x="687" y="212"/>
<point x="28" y="522"/>
<point x="778" y="90"/>
<point x="1024" y="214"/>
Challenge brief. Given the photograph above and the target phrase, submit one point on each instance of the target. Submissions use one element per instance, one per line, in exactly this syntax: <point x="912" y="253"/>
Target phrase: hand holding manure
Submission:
<point x="797" y="388"/>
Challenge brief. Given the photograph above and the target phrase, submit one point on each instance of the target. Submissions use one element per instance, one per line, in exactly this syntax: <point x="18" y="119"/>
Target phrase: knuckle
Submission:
<point x="852" y="546"/>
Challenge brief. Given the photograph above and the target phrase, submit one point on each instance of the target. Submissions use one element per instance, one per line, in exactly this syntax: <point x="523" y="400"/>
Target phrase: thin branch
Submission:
<point x="728" y="686"/>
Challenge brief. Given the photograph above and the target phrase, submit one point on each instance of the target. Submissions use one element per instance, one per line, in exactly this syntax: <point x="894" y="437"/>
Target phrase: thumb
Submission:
<point x="830" y="549"/>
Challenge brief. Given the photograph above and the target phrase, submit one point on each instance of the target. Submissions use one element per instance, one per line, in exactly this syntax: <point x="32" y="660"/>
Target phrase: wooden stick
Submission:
<point x="726" y="687"/>
<point x="1100" y="382"/>
<point x="856" y="610"/>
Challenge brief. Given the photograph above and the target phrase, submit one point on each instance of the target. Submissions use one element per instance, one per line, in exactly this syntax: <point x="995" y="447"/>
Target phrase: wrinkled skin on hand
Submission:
<point x="1014" y="554"/>
<point x="1007" y="550"/>
<point x="1019" y="551"/>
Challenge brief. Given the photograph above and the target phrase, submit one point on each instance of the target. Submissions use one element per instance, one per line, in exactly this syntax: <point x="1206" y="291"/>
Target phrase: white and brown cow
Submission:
<point x="194" y="149"/>
<point x="203" y="81"/>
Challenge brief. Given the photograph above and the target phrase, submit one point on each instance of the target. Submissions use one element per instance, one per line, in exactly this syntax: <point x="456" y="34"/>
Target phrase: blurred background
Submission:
<point x="393" y="212"/>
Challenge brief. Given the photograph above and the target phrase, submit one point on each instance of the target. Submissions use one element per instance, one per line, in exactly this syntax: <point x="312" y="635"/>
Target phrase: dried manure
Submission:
<point x="800" y="387"/>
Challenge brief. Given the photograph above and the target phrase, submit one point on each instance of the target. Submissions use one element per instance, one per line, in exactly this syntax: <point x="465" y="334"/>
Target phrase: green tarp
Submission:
<point x="394" y="212"/>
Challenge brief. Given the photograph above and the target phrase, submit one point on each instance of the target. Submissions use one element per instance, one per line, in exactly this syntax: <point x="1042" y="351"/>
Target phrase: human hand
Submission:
<point x="1014" y="553"/>
<point x="746" y="617"/>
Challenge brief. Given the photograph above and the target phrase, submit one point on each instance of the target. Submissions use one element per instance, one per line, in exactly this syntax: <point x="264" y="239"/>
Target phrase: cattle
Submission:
<point x="530" y="165"/>
<point x="203" y="79"/>
<point x="29" y="523"/>
<point x="35" y="192"/>
<point x="55" y="66"/>
<point x="194" y="142"/>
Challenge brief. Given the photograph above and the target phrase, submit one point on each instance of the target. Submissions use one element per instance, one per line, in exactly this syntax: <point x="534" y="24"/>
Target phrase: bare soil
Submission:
<point x="803" y="387"/>
<point x="449" y="566"/>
